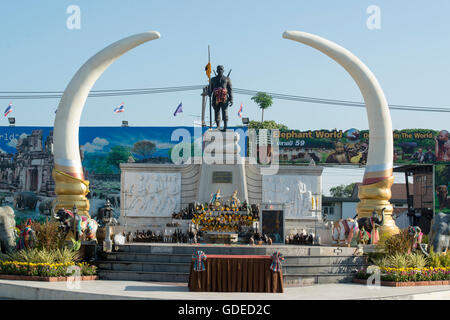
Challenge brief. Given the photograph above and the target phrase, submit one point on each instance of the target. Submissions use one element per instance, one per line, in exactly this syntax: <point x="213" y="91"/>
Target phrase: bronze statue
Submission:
<point x="222" y="96"/>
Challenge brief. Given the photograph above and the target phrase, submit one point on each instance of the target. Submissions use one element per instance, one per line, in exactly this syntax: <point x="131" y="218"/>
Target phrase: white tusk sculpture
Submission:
<point x="71" y="187"/>
<point x="378" y="178"/>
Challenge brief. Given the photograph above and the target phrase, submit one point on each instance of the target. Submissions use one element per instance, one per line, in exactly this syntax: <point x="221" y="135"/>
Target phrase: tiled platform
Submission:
<point x="125" y="290"/>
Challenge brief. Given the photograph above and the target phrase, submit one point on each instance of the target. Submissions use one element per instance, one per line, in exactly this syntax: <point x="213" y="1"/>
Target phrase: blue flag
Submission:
<point x="179" y="110"/>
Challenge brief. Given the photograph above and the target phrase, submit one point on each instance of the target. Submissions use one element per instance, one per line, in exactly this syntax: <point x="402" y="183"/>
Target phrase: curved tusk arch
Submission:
<point x="68" y="115"/>
<point x="70" y="187"/>
<point x="380" y="158"/>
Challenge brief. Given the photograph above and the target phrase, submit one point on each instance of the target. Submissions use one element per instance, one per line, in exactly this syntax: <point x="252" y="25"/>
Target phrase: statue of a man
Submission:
<point x="222" y="96"/>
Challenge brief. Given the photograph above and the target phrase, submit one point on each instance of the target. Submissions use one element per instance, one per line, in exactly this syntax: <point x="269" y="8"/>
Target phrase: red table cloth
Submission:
<point x="236" y="273"/>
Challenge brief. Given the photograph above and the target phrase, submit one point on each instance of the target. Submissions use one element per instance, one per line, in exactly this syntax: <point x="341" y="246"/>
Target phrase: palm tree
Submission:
<point x="264" y="101"/>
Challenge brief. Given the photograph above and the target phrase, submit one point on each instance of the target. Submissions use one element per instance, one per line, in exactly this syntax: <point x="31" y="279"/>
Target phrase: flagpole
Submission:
<point x="210" y="97"/>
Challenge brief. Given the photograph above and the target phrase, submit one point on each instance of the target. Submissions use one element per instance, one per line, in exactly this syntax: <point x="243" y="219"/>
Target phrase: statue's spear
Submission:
<point x="208" y="72"/>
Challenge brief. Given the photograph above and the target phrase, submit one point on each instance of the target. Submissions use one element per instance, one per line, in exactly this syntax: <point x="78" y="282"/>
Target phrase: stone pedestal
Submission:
<point x="222" y="166"/>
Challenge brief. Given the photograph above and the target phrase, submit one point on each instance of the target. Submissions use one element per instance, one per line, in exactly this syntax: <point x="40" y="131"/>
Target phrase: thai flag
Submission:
<point x="119" y="109"/>
<point x="179" y="110"/>
<point x="240" y="112"/>
<point x="8" y="110"/>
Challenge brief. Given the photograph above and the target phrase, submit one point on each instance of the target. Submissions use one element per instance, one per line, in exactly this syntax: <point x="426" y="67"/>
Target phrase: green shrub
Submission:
<point x="402" y="260"/>
<point x="438" y="260"/>
<point x="399" y="243"/>
<point x="445" y="259"/>
<point x="42" y="255"/>
<point x="416" y="260"/>
<point x="49" y="236"/>
<point x="87" y="269"/>
<point x="398" y="260"/>
<point x="65" y="255"/>
<point x="382" y="262"/>
<point x="372" y="257"/>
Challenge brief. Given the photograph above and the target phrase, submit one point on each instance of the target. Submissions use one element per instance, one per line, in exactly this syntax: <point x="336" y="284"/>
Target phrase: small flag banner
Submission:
<point x="277" y="258"/>
<point x="208" y="70"/>
<point x="179" y="110"/>
<point x="119" y="109"/>
<point x="198" y="257"/>
<point x="240" y="112"/>
<point x="8" y="110"/>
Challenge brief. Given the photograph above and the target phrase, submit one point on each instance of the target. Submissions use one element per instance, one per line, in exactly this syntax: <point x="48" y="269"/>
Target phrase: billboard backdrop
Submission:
<point x="442" y="184"/>
<point x="26" y="161"/>
<point x="26" y="157"/>
<point x="411" y="146"/>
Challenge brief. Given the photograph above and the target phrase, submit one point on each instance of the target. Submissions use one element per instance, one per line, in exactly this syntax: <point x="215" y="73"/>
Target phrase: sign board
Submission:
<point x="272" y="224"/>
<point x="222" y="177"/>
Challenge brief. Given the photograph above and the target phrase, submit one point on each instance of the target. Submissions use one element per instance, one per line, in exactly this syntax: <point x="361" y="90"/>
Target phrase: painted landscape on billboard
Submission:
<point x="26" y="157"/>
<point x="26" y="162"/>
<point x="411" y="146"/>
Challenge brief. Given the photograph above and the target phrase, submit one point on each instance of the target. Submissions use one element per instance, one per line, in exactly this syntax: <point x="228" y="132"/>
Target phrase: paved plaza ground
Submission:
<point x="125" y="290"/>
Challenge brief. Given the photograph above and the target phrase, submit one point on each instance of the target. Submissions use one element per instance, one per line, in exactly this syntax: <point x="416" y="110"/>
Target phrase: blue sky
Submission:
<point x="408" y="55"/>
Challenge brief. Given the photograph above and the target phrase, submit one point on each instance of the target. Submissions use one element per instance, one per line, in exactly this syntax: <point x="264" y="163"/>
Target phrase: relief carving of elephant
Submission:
<point x="440" y="232"/>
<point x="7" y="229"/>
<point x="25" y="200"/>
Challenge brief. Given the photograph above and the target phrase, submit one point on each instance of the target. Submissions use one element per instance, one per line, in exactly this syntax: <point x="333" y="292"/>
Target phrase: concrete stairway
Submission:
<point x="303" y="265"/>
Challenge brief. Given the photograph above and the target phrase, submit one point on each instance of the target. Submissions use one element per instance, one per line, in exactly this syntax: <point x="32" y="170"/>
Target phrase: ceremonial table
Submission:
<point x="236" y="273"/>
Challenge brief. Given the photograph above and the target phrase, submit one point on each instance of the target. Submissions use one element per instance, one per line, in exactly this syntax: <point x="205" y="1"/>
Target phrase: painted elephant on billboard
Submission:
<point x="25" y="200"/>
<point x="440" y="233"/>
<point x="442" y="195"/>
<point x="46" y="206"/>
<point x="7" y="229"/>
<point x="114" y="199"/>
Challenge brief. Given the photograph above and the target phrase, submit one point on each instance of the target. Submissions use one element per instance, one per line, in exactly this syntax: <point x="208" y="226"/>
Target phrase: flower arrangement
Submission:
<point x="415" y="274"/>
<point x="223" y="220"/>
<point x="49" y="256"/>
<point x="44" y="269"/>
<point x="409" y="267"/>
<point x="87" y="269"/>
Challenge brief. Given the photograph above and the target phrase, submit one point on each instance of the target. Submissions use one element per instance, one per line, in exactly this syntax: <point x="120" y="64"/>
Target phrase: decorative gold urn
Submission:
<point x="71" y="191"/>
<point x="376" y="197"/>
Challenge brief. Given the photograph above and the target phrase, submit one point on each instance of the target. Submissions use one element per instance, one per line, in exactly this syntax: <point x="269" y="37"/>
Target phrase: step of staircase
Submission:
<point x="148" y="257"/>
<point x="144" y="266"/>
<point x="185" y="267"/>
<point x="143" y="276"/>
<point x="302" y="265"/>
<point x="186" y="258"/>
<point x="312" y="279"/>
<point x="288" y="279"/>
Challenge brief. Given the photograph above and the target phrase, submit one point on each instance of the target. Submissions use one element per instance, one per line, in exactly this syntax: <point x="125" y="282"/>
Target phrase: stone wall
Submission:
<point x="154" y="215"/>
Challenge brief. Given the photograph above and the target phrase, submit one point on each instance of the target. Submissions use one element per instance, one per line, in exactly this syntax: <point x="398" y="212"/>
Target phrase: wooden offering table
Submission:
<point x="236" y="273"/>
